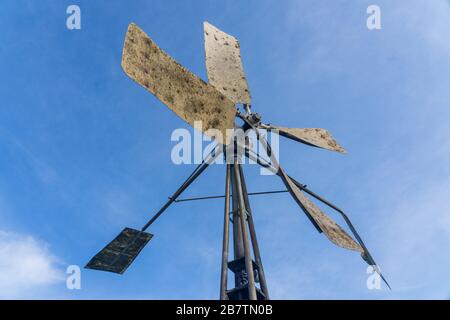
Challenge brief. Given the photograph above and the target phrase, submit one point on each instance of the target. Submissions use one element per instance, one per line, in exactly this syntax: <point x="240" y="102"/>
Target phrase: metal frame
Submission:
<point x="167" y="82"/>
<point x="244" y="235"/>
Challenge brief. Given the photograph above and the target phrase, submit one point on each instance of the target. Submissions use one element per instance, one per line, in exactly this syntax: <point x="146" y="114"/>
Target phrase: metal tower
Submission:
<point x="247" y="271"/>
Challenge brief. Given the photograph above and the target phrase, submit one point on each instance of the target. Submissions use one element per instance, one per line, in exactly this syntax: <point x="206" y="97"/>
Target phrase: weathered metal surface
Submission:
<point x="236" y="178"/>
<point x="313" y="136"/>
<point x="224" y="65"/>
<point x="226" y="237"/>
<point x="331" y="229"/>
<point x="183" y="92"/>
<point x="254" y="239"/>
<point x="121" y="252"/>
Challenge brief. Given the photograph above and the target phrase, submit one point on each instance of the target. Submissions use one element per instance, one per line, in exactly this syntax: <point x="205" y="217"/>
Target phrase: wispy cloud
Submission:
<point x="414" y="232"/>
<point x="44" y="172"/>
<point x="26" y="265"/>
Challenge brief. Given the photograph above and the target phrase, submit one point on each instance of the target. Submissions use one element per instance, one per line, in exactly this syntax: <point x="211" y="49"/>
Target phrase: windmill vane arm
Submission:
<point x="366" y="254"/>
<point x="197" y="172"/>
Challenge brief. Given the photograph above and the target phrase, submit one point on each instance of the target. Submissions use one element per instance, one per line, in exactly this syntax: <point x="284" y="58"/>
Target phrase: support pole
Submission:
<point x="238" y="245"/>
<point x="226" y="223"/>
<point x="243" y="220"/>
<point x="251" y="225"/>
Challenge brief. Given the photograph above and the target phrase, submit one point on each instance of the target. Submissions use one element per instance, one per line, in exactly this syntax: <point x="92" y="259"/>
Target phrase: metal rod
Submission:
<point x="276" y="169"/>
<point x="199" y="198"/>
<point x="226" y="223"/>
<point x="189" y="180"/>
<point x="251" y="225"/>
<point x="238" y="245"/>
<point x="247" y="254"/>
<point x="223" y="196"/>
<point x="247" y="108"/>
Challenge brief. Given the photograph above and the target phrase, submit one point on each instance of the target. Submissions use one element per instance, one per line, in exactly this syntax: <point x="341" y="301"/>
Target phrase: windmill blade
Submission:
<point x="367" y="257"/>
<point x="316" y="137"/>
<point x="180" y="90"/>
<point x="331" y="229"/>
<point x="224" y="65"/>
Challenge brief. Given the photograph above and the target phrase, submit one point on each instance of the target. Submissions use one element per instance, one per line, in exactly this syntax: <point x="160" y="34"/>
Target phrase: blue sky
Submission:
<point x="84" y="151"/>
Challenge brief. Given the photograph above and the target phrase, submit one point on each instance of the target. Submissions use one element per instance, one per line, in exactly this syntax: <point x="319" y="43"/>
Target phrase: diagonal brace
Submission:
<point x="197" y="172"/>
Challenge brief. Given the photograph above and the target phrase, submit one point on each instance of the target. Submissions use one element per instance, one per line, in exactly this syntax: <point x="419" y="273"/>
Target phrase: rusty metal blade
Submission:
<point x="224" y="65"/>
<point x="191" y="98"/>
<point x="331" y="229"/>
<point x="316" y="137"/>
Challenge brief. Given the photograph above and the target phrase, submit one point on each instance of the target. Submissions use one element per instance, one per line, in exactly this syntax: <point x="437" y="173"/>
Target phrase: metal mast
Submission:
<point x="248" y="271"/>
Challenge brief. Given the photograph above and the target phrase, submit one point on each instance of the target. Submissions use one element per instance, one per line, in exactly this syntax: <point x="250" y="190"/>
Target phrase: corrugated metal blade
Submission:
<point x="191" y="98"/>
<point x="317" y="137"/>
<point x="331" y="229"/>
<point x="120" y="253"/>
<point x="224" y="65"/>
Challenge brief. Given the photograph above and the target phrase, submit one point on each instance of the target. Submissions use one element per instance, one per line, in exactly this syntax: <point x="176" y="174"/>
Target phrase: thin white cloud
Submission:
<point x="26" y="264"/>
<point x="43" y="171"/>
<point x="416" y="233"/>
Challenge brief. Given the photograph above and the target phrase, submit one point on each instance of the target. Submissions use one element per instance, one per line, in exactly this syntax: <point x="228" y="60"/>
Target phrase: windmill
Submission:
<point x="217" y="105"/>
